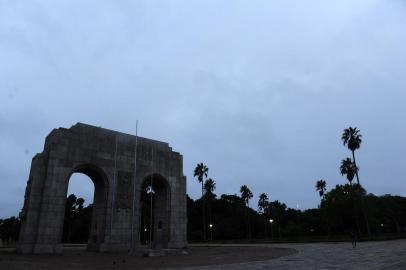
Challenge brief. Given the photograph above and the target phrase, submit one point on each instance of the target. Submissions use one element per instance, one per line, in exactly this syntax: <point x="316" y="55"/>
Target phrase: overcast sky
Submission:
<point x="259" y="91"/>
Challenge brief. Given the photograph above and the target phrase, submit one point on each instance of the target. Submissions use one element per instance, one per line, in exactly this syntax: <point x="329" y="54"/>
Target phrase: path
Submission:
<point x="367" y="255"/>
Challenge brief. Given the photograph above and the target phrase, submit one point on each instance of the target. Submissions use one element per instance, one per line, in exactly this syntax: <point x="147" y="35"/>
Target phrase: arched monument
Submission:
<point x="118" y="164"/>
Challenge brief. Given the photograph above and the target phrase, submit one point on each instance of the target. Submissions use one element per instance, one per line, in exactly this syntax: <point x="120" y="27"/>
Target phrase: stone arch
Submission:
<point x="100" y="206"/>
<point x="117" y="163"/>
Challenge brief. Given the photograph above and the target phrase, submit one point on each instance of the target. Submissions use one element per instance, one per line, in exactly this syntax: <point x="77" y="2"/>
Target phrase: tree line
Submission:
<point x="343" y="210"/>
<point x="228" y="217"/>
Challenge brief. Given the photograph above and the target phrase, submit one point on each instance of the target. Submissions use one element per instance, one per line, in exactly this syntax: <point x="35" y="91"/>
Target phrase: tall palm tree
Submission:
<point x="209" y="187"/>
<point x="348" y="169"/>
<point x="353" y="139"/>
<point x="263" y="203"/>
<point x="201" y="172"/>
<point x="246" y="195"/>
<point x="321" y="187"/>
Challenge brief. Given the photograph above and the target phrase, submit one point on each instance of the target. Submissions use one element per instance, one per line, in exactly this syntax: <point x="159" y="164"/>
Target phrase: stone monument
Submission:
<point x="118" y="164"/>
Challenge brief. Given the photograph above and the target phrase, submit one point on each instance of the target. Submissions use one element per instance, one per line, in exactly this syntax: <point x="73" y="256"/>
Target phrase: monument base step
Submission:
<point x="165" y="252"/>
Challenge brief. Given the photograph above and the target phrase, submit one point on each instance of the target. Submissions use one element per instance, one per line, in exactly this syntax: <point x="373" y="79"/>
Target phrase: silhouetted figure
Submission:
<point x="353" y="238"/>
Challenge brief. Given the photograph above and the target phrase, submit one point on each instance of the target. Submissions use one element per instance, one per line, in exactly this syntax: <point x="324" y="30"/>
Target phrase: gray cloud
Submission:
<point x="259" y="91"/>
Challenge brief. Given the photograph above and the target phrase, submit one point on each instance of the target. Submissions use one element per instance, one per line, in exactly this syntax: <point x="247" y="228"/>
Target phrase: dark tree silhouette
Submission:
<point x="201" y="172"/>
<point x="353" y="139"/>
<point x="246" y="195"/>
<point x="209" y="187"/>
<point x="263" y="203"/>
<point x="9" y="230"/>
<point x="321" y="187"/>
<point x="348" y="169"/>
<point x="277" y="211"/>
<point x="77" y="220"/>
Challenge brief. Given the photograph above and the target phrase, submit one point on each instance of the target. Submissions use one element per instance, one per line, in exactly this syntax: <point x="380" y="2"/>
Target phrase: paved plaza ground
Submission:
<point x="389" y="255"/>
<point x="367" y="255"/>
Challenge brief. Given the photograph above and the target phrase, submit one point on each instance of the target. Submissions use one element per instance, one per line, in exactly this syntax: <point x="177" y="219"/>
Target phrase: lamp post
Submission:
<point x="145" y="231"/>
<point x="211" y="231"/>
<point x="271" y="221"/>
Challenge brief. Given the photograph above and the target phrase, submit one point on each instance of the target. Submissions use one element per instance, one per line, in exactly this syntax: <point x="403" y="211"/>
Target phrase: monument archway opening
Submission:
<point x="78" y="210"/>
<point x="99" y="205"/>
<point x="155" y="211"/>
<point x="89" y="227"/>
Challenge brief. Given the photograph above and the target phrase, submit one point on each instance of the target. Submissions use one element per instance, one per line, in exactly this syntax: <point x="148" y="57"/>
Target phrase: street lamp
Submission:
<point x="211" y="231"/>
<point x="271" y="221"/>
<point x="145" y="231"/>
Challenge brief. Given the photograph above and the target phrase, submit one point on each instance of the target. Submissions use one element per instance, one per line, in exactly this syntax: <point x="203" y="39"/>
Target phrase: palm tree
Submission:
<point x="348" y="169"/>
<point x="352" y="138"/>
<point x="201" y="172"/>
<point x="209" y="187"/>
<point x="321" y="187"/>
<point x="246" y="195"/>
<point x="263" y="204"/>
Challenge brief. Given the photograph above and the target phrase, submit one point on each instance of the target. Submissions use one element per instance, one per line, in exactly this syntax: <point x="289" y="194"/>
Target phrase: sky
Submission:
<point x="259" y="91"/>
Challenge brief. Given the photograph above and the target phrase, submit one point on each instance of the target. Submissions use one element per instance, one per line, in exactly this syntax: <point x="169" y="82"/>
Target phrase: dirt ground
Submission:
<point x="197" y="256"/>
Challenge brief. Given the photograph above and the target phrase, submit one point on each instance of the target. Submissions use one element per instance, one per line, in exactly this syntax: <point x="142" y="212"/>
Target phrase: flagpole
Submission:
<point x="135" y="178"/>
<point x="151" y="194"/>
<point x="114" y="186"/>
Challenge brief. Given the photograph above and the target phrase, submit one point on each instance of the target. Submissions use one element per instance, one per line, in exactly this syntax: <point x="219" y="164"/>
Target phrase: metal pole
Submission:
<point x="135" y="177"/>
<point x="151" y="193"/>
<point x="114" y="185"/>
